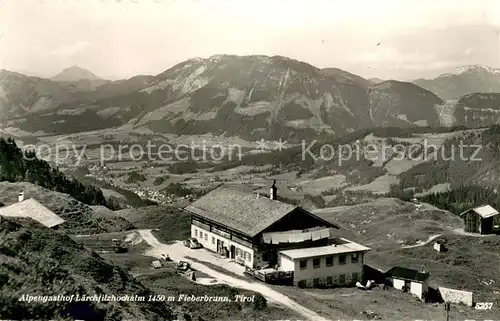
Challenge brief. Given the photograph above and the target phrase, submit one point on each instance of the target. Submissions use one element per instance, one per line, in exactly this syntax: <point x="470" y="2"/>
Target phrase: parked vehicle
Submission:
<point x="192" y="243"/>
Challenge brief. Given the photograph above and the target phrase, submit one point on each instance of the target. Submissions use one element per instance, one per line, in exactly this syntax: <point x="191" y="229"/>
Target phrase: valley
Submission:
<point x="390" y="163"/>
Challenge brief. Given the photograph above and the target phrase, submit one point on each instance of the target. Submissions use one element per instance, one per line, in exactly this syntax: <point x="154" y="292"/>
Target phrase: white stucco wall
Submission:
<point x="323" y="272"/>
<point x="286" y="264"/>
<point x="416" y="289"/>
<point x="398" y="284"/>
<point x="212" y="246"/>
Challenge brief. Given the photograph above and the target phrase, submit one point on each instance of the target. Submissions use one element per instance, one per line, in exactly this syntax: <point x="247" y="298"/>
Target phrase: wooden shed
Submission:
<point x="409" y="280"/>
<point x="479" y="219"/>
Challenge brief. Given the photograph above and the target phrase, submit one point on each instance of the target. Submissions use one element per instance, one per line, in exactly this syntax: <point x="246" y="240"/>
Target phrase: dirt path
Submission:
<point x="460" y="231"/>
<point x="422" y="243"/>
<point x="176" y="254"/>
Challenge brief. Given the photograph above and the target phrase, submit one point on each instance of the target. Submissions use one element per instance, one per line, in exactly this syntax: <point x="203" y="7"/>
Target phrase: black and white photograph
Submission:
<point x="250" y="160"/>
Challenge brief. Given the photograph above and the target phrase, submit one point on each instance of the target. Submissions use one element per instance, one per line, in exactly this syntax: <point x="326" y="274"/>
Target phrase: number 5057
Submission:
<point x="483" y="305"/>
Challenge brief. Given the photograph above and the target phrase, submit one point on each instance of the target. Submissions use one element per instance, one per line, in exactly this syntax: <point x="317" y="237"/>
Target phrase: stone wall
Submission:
<point x="456" y="296"/>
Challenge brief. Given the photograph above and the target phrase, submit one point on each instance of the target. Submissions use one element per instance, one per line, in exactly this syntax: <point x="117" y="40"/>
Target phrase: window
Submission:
<point x="355" y="277"/>
<point x="354" y="258"/>
<point x="201" y="235"/>
<point x="315" y="282"/>
<point x="342" y="278"/>
<point x="213" y="240"/>
<point x="329" y="280"/>
<point x="329" y="260"/>
<point x="248" y="257"/>
<point x="303" y="264"/>
<point x="238" y="252"/>
<point x="206" y="237"/>
<point x="195" y="233"/>
<point x="342" y="259"/>
<point x="316" y="263"/>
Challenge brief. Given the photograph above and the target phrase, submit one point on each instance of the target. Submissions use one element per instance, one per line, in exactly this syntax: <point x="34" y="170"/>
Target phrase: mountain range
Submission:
<point x="252" y="97"/>
<point x="465" y="80"/>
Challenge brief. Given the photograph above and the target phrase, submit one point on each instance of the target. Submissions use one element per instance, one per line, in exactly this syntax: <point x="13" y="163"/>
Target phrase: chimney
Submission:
<point x="21" y="197"/>
<point x="272" y="192"/>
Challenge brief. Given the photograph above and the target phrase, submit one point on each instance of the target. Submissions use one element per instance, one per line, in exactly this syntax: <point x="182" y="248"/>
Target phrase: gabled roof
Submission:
<point x="245" y="212"/>
<point x="484" y="211"/>
<point x="407" y="274"/>
<point x="32" y="209"/>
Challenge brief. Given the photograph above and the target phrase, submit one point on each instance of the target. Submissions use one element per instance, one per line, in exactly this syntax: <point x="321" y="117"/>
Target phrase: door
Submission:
<point x="273" y="258"/>
<point x="219" y="246"/>
<point x="487" y="225"/>
<point x="233" y="252"/>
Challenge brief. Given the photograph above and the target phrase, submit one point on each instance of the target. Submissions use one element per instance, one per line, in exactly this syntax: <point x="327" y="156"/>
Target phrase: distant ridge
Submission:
<point x="463" y="81"/>
<point x="75" y="73"/>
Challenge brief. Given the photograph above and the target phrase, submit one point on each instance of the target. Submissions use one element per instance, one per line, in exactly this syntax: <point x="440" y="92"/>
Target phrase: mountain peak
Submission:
<point x="75" y="73"/>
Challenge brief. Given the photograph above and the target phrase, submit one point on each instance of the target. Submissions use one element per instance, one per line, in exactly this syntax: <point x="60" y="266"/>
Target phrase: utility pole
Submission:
<point x="447" y="310"/>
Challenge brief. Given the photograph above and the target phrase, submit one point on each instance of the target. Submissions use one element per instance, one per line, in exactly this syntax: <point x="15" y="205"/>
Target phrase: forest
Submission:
<point x="17" y="165"/>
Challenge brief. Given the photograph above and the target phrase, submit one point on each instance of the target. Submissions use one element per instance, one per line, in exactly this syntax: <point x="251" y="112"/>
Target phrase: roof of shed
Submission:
<point x="33" y="209"/>
<point x="484" y="211"/>
<point x="407" y="274"/>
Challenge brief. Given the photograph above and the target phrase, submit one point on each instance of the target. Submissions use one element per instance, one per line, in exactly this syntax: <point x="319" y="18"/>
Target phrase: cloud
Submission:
<point x="69" y="49"/>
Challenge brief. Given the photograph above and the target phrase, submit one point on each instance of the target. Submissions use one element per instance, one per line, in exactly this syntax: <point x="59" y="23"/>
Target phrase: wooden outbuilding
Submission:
<point x="479" y="219"/>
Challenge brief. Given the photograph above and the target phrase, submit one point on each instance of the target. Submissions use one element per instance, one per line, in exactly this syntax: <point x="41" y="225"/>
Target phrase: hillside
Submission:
<point x="266" y="97"/>
<point x="478" y="109"/>
<point x="170" y="223"/>
<point x="21" y="95"/>
<point x="24" y="96"/>
<point x="360" y="81"/>
<point x="252" y="97"/>
<point x="465" y="80"/>
<point x="37" y="261"/>
<point x="478" y="164"/>
<point x="387" y="223"/>
<point x="399" y="233"/>
<point x="395" y="103"/>
<point x="376" y="80"/>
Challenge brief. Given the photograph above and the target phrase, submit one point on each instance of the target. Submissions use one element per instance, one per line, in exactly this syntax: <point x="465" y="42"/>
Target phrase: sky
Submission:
<point x="115" y="39"/>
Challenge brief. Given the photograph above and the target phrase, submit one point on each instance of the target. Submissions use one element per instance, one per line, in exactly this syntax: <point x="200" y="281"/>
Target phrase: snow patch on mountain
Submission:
<point x="256" y="108"/>
<point x="235" y="95"/>
<point x="489" y="69"/>
<point x="470" y="69"/>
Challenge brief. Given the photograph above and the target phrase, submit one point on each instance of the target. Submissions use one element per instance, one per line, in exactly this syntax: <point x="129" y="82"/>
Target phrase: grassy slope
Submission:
<point x="39" y="261"/>
<point x="387" y="222"/>
<point x="386" y="225"/>
<point x="172" y="223"/>
<point x="470" y="263"/>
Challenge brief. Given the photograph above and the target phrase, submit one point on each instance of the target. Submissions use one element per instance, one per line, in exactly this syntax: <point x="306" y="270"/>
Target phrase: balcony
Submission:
<point x="296" y="236"/>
